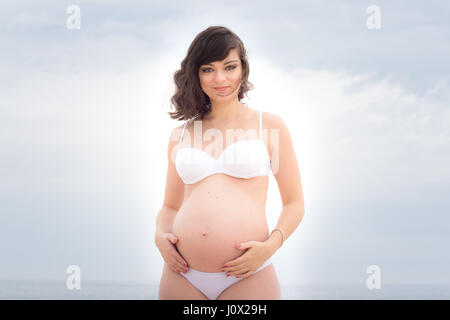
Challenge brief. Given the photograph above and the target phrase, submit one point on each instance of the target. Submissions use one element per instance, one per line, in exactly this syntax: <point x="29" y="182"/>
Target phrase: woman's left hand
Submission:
<point x="246" y="264"/>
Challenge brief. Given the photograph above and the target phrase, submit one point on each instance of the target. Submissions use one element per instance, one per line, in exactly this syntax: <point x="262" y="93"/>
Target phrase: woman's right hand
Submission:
<point x="165" y="242"/>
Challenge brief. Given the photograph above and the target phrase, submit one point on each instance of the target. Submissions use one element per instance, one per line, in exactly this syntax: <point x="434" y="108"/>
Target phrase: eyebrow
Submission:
<point x="209" y="64"/>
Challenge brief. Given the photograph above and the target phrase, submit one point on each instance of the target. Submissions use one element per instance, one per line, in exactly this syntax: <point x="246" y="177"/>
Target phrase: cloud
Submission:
<point x="101" y="135"/>
<point x="27" y="20"/>
<point x="84" y="133"/>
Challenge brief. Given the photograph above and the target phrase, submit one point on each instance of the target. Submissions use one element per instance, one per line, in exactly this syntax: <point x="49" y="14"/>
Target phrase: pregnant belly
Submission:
<point x="210" y="224"/>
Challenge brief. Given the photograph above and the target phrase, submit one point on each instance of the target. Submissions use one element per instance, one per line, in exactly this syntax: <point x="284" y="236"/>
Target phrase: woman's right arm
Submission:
<point x="173" y="198"/>
<point x="164" y="219"/>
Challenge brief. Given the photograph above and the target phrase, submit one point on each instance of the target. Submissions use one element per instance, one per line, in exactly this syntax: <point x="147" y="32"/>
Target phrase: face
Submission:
<point x="226" y="73"/>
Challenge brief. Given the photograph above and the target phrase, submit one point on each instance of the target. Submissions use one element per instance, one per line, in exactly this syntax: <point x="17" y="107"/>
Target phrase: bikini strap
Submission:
<point x="260" y="133"/>
<point x="182" y="133"/>
<point x="260" y="124"/>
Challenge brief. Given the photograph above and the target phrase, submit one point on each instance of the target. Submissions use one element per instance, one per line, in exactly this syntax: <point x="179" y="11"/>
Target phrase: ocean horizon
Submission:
<point x="98" y="290"/>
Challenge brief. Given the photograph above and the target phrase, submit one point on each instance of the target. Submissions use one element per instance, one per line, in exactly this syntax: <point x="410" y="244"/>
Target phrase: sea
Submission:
<point x="95" y="290"/>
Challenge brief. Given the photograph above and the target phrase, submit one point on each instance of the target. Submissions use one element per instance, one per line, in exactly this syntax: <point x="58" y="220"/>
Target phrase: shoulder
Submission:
<point x="272" y="120"/>
<point x="176" y="130"/>
<point x="175" y="133"/>
<point x="276" y="129"/>
<point x="268" y="118"/>
<point x="181" y="126"/>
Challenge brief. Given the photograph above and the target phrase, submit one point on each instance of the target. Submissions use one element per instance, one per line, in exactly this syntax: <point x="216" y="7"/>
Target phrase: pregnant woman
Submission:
<point x="212" y="230"/>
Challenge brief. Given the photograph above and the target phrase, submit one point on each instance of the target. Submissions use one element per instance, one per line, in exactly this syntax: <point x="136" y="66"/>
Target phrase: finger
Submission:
<point x="182" y="264"/>
<point x="179" y="259"/>
<point x="172" y="264"/>
<point x="179" y="267"/>
<point x="245" y="275"/>
<point x="238" y="271"/>
<point x="174" y="267"/>
<point x="180" y="271"/>
<point x="174" y="253"/>
<point x="185" y="268"/>
<point x="236" y="267"/>
<point x="245" y="245"/>
<point x="233" y="263"/>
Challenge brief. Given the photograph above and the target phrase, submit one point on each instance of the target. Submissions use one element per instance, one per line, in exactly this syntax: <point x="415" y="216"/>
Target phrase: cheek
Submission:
<point x="237" y="79"/>
<point x="238" y="76"/>
<point x="204" y="80"/>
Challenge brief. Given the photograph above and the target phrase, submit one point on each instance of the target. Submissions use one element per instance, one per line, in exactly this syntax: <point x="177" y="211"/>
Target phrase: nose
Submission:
<point x="219" y="76"/>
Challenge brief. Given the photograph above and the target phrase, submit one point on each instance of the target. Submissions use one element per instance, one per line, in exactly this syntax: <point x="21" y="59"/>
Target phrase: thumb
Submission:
<point x="244" y="245"/>
<point x="172" y="238"/>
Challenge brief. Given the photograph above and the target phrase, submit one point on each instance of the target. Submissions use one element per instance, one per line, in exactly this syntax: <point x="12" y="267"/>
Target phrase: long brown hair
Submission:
<point x="212" y="44"/>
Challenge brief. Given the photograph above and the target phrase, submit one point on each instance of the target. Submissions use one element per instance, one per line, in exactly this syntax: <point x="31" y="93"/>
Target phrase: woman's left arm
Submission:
<point x="287" y="174"/>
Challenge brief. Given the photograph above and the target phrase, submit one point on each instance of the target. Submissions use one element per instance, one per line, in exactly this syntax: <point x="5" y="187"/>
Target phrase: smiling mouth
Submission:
<point x="221" y="88"/>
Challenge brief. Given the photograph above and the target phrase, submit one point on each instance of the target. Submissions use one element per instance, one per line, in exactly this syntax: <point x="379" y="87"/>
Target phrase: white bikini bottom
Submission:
<point x="212" y="284"/>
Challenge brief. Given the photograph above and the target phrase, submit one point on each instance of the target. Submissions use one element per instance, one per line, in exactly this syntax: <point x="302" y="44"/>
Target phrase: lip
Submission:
<point x="221" y="88"/>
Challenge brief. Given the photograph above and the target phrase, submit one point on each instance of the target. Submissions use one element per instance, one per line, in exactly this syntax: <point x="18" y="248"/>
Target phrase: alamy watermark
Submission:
<point x="215" y="147"/>
<point x="374" y="20"/>
<point x="74" y="279"/>
<point x="374" y="280"/>
<point x="74" y="20"/>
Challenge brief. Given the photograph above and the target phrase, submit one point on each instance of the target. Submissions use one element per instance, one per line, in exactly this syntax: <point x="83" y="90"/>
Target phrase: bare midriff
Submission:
<point x="218" y="213"/>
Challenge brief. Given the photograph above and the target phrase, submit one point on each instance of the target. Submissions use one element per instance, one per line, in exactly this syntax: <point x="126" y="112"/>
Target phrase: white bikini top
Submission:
<point x="242" y="159"/>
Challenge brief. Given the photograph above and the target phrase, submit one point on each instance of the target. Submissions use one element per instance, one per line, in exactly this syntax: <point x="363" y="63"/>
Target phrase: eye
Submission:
<point x="232" y="67"/>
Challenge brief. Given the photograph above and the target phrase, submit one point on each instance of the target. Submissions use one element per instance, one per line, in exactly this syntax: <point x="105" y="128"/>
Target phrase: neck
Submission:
<point x="224" y="111"/>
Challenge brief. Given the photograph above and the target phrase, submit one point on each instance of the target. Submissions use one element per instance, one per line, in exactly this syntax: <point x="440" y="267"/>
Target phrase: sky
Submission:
<point x="83" y="116"/>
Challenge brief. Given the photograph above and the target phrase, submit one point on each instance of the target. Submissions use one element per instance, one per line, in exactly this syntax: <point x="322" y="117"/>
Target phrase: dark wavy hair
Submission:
<point x="212" y="44"/>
